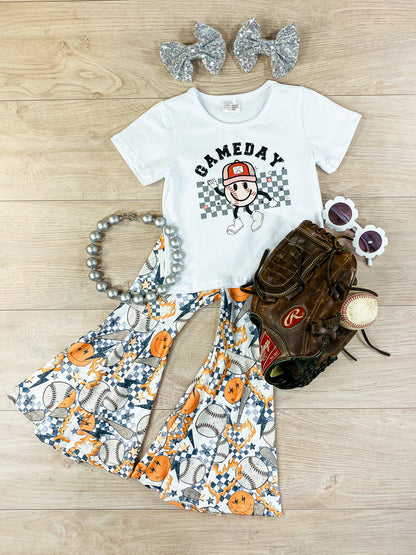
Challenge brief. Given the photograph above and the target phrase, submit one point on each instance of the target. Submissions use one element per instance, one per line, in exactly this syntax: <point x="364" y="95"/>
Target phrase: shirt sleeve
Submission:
<point x="146" y="144"/>
<point x="329" y="128"/>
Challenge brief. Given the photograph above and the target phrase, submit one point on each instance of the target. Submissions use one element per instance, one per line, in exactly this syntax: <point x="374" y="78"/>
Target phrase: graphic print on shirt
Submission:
<point x="242" y="188"/>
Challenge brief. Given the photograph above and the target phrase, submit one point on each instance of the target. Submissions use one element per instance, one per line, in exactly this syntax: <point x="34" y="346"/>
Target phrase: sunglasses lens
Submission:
<point x="370" y="241"/>
<point x="340" y="213"/>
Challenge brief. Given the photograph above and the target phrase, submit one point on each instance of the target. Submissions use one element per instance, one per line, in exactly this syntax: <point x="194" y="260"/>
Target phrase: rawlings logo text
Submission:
<point x="293" y="317"/>
<point x="268" y="351"/>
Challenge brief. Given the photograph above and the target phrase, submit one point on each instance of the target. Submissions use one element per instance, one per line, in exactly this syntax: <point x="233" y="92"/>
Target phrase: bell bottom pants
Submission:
<point x="215" y="453"/>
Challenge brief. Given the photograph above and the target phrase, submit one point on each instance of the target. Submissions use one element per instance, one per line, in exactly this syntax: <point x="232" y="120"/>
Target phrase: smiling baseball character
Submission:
<point x="240" y="190"/>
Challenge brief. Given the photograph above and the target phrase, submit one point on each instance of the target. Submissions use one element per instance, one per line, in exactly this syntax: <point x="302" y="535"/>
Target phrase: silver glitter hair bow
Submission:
<point x="210" y="48"/>
<point x="283" y="51"/>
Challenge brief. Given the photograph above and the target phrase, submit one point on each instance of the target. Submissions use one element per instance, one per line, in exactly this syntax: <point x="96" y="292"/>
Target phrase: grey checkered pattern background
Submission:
<point x="275" y="184"/>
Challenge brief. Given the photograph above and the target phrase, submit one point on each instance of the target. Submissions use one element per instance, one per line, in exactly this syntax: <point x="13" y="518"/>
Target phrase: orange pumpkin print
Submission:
<point x="158" y="468"/>
<point x="138" y="470"/>
<point x="233" y="390"/>
<point x="160" y="344"/>
<point x="238" y="295"/>
<point x="191" y="403"/>
<point x="171" y="421"/>
<point x="241" y="503"/>
<point x="80" y="354"/>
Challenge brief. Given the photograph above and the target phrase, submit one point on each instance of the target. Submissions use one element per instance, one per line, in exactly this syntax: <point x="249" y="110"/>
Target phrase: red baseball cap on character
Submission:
<point x="238" y="171"/>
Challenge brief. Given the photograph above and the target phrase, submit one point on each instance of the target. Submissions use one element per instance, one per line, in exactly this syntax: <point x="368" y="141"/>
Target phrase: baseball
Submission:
<point x="239" y="363"/>
<point x="142" y="426"/>
<point x="269" y="433"/>
<point x="255" y="350"/>
<point x="255" y="473"/>
<point x="55" y="393"/>
<point x="140" y="320"/>
<point x="149" y="264"/>
<point x="116" y="398"/>
<point x="111" y="452"/>
<point x="211" y="421"/>
<point x="358" y="311"/>
<point x="191" y="471"/>
<point x="115" y="356"/>
<point x="91" y="398"/>
<point x="222" y="450"/>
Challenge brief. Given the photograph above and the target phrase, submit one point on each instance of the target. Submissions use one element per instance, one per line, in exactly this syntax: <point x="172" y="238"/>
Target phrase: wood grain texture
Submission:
<point x="328" y="459"/>
<point x="49" y="246"/>
<point x="34" y="337"/>
<point x="110" y="49"/>
<point x="165" y="533"/>
<point x="54" y="150"/>
<point x="74" y="73"/>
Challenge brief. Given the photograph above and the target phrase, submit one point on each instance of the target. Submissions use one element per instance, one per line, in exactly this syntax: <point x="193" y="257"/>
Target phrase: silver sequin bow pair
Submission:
<point x="211" y="49"/>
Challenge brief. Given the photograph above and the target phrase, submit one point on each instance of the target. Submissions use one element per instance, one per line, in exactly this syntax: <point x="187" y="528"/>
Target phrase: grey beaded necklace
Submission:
<point x="143" y="296"/>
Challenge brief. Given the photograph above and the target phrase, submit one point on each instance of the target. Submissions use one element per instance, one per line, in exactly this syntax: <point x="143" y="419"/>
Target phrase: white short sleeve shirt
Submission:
<point x="239" y="171"/>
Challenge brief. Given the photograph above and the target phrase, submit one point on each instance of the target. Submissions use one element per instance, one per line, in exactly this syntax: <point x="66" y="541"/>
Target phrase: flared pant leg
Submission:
<point x="93" y="400"/>
<point x="216" y="452"/>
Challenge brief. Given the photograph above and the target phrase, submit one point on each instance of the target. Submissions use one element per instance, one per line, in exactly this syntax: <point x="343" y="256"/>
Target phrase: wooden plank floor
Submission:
<point x="74" y="73"/>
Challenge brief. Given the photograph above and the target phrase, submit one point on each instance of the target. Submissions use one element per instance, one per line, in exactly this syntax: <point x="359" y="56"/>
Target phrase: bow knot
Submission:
<point x="194" y="52"/>
<point x="210" y="48"/>
<point x="283" y="51"/>
<point x="266" y="46"/>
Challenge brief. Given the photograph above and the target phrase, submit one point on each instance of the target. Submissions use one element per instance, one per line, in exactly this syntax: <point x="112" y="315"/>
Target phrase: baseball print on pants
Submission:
<point x="216" y="452"/>
<point x="93" y="400"/>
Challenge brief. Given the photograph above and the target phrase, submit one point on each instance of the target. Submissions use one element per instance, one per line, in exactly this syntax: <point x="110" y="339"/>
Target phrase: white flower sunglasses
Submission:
<point x="340" y="214"/>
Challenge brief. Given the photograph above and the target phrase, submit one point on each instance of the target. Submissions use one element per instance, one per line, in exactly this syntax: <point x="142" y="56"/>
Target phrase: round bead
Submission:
<point x="178" y="255"/>
<point x="102" y="285"/>
<point x="125" y="297"/>
<point x="95" y="275"/>
<point x="161" y="289"/>
<point x="92" y="249"/>
<point x="103" y="225"/>
<point x="170" y="230"/>
<point x="147" y="219"/>
<point x="150" y="296"/>
<point x="138" y="299"/>
<point x="113" y="293"/>
<point x="159" y="221"/>
<point x="170" y="280"/>
<point x="175" y="241"/>
<point x="95" y="236"/>
<point x="92" y="262"/>
<point x="114" y="219"/>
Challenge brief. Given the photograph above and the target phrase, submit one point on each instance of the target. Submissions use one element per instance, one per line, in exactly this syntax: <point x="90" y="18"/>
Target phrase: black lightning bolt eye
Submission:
<point x="157" y="463"/>
<point x="231" y="390"/>
<point x="243" y="499"/>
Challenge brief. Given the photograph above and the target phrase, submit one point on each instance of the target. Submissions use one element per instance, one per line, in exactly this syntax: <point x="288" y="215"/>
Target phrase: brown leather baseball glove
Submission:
<point x="298" y="291"/>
